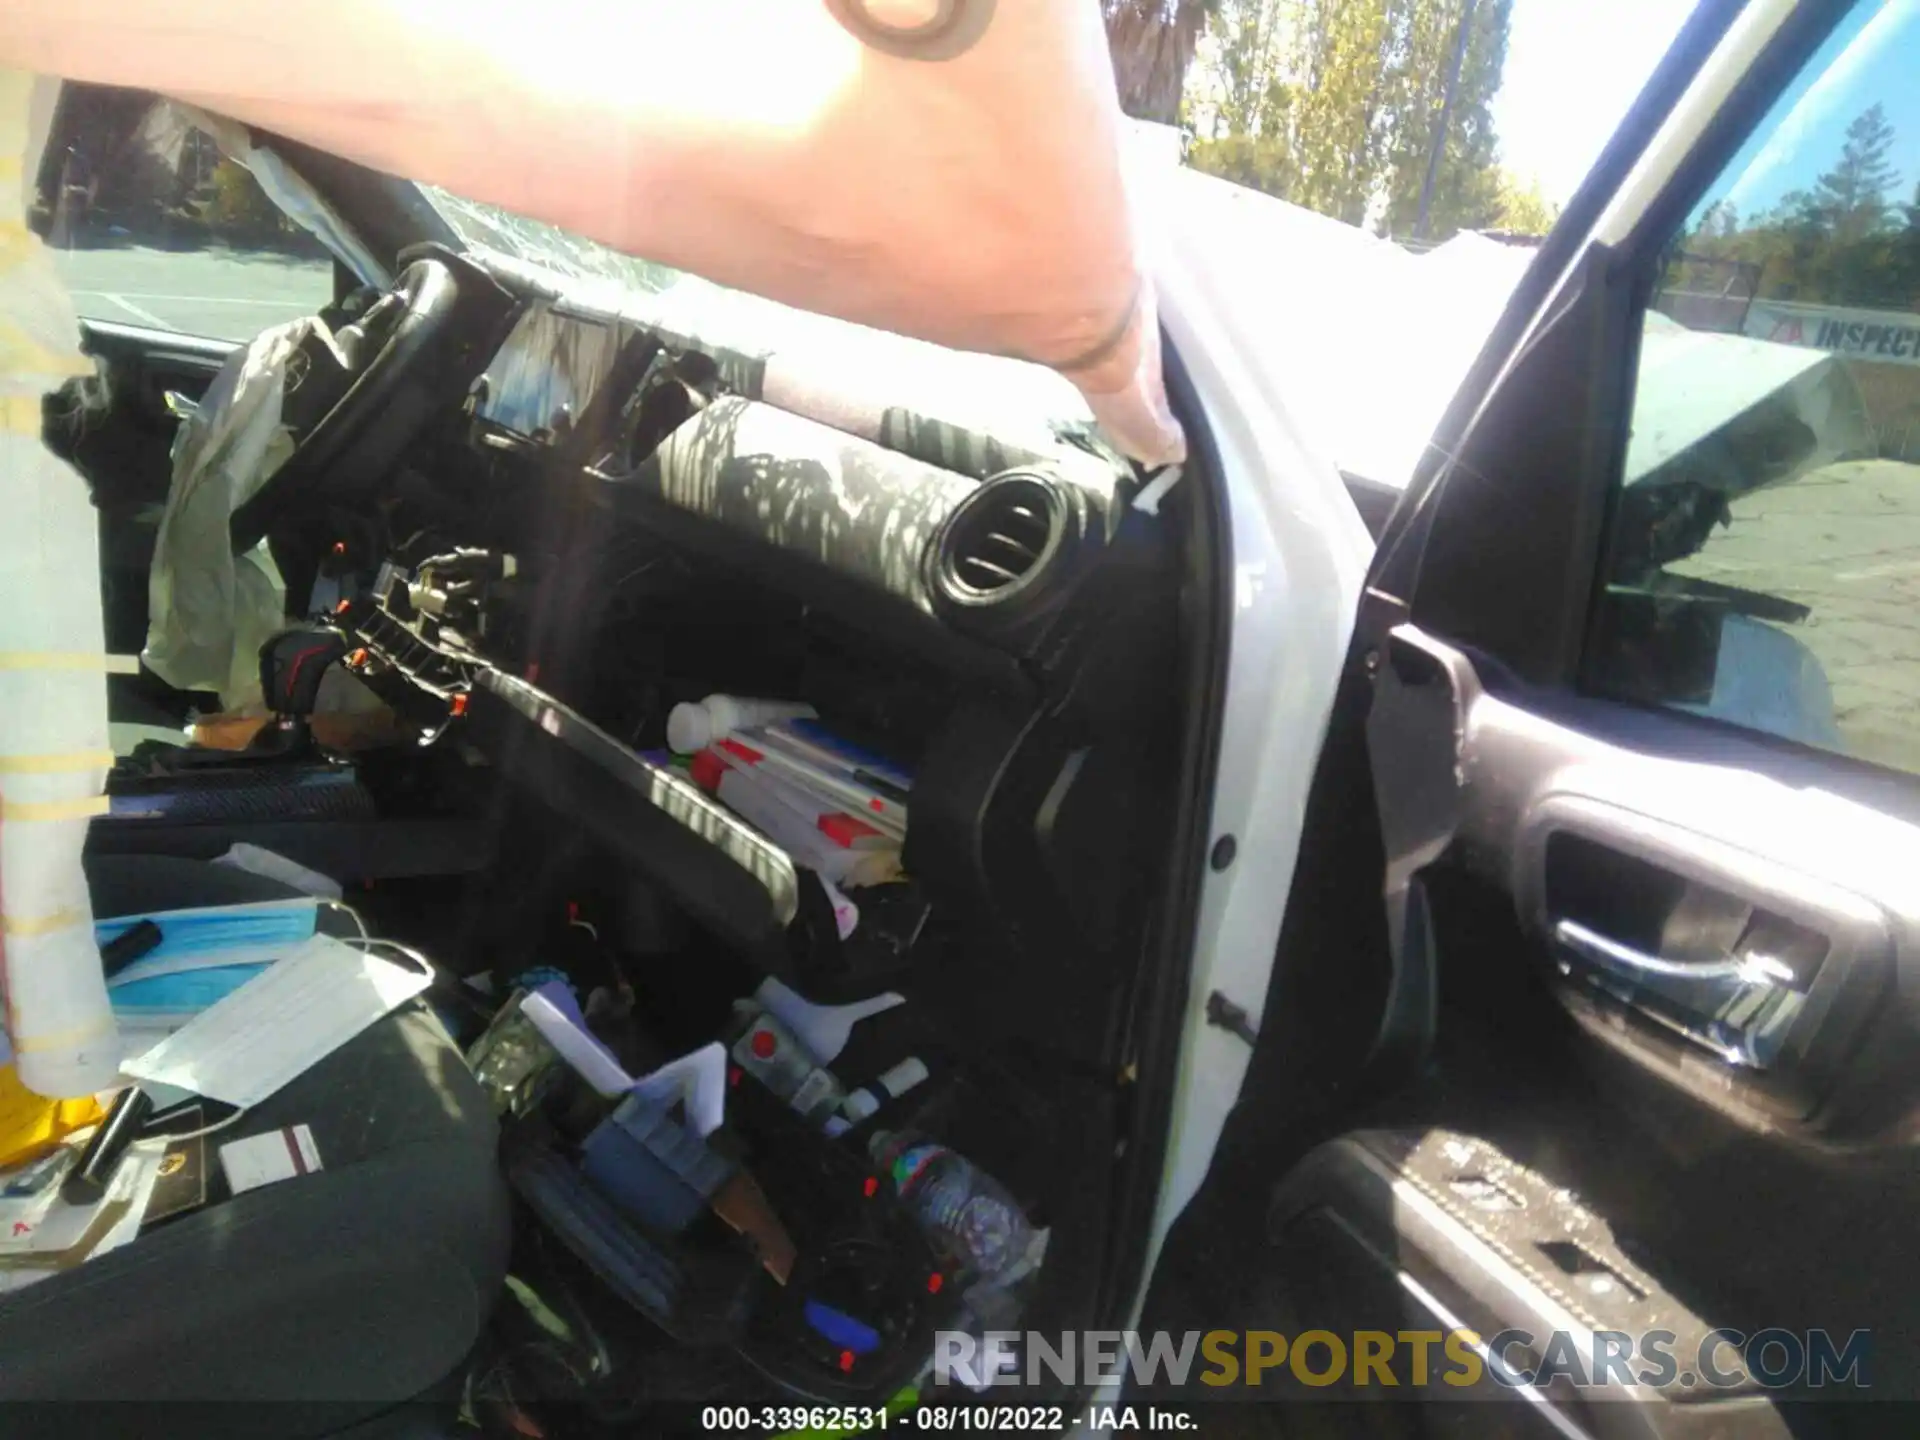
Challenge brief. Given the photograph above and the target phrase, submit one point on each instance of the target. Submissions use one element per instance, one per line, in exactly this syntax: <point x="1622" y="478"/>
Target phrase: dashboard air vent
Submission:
<point x="1010" y="552"/>
<point x="1000" y="540"/>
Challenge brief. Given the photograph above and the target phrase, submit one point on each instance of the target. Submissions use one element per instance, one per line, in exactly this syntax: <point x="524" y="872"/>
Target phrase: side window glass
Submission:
<point x="151" y="225"/>
<point x="1764" y="567"/>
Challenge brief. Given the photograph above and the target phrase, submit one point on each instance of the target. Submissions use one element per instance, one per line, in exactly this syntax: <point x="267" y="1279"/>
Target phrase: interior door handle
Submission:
<point x="1661" y="939"/>
<point x="1740" y="1007"/>
<point x="1752" y="969"/>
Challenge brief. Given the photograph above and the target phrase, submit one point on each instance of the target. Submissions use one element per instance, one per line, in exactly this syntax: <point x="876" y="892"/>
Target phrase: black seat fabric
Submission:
<point x="343" y="1291"/>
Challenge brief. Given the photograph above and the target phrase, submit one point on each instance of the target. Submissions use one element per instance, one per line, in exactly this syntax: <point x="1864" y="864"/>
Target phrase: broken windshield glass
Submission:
<point x="516" y="238"/>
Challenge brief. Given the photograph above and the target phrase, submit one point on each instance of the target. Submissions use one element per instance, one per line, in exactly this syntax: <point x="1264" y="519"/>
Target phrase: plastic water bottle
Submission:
<point x="966" y="1211"/>
<point x="694" y="725"/>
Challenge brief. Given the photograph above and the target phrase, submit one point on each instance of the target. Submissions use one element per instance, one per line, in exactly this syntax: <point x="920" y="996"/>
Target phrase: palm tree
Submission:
<point x="1152" y="43"/>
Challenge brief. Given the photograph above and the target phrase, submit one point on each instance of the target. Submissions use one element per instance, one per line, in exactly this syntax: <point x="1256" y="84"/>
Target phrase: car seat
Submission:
<point x="337" y="1294"/>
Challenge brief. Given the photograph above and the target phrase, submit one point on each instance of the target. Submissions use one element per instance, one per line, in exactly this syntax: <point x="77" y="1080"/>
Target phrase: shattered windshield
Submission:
<point x="550" y="366"/>
<point x="544" y="248"/>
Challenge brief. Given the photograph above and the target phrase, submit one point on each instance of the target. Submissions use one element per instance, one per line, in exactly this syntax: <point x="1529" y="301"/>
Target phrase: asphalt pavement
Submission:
<point x="1845" y="541"/>
<point x="225" y="295"/>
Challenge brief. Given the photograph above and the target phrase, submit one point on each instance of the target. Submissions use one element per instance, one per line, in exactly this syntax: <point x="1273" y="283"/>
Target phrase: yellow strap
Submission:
<point x="20" y="415"/>
<point x="69" y="660"/>
<point x="59" y="1040"/>
<point x="67" y="764"/>
<point x="16" y="242"/>
<point x="26" y="928"/>
<point x="19" y="352"/>
<point x="27" y="811"/>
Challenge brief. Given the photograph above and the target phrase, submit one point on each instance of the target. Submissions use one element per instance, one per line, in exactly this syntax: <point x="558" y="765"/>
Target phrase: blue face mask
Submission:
<point x="214" y="930"/>
<point x="203" y="956"/>
<point x="177" y="998"/>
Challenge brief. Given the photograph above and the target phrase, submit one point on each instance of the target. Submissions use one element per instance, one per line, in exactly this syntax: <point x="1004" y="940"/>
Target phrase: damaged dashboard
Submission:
<point x="985" y="504"/>
<point x="974" y="594"/>
<point x="416" y="639"/>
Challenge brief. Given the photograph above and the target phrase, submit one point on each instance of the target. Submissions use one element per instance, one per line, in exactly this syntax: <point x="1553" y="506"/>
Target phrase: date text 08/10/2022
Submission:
<point x="934" y="1419"/>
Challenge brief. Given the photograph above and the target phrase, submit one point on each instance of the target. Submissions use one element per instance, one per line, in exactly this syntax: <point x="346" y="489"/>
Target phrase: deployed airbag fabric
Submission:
<point x="210" y="610"/>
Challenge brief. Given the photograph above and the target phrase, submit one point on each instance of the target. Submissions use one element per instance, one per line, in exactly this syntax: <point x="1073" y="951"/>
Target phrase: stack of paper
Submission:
<point x="41" y="1235"/>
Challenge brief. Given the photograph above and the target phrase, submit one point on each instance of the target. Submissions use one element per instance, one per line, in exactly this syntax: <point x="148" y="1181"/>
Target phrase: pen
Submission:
<point x="87" y="1182"/>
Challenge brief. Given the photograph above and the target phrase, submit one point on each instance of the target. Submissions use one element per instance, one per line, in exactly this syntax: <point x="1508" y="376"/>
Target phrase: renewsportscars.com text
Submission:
<point x="1235" y="1362"/>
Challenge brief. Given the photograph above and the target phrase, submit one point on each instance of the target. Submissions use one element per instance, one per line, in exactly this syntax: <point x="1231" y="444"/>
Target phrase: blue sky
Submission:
<point x="1575" y="66"/>
<point x="1872" y="57"/>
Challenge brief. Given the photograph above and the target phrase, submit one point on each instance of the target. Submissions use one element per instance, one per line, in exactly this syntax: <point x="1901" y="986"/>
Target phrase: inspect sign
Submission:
<point x="1880" y="335"/>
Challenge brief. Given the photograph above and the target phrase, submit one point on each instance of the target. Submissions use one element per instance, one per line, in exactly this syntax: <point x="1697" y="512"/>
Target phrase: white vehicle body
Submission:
<point x="1269" y="361"/>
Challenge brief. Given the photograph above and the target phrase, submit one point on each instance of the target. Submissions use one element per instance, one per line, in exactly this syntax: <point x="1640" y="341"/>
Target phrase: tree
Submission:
<point x="1835" y="243"/>
<point x="1152" y="43"/>
<point x="1721" y="218"/>
<point x="1467" y="183"/>
<point x="1334" y="104"/>
<point x="1239" y="107"/>
<point x="1844" y="241"/>
<point x="1340" y="111"/>
<point x="1520" y="208"/>
<point x="1259" y="162"/>
<point x="1248" y="95"/>
<point x="1849" y="202"/>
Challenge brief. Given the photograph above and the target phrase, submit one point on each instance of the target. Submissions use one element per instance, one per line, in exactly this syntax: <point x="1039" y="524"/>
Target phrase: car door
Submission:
<point x="1614" y="1092"/>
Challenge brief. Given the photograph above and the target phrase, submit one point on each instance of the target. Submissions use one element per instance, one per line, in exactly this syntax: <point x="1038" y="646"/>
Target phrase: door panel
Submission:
<point x="1727" y="912"/>
<point x="1679" y="966"/>
<point x="124" y="451"/>
<point x="1674" y="932"/>
<point x="1635" y="687"/>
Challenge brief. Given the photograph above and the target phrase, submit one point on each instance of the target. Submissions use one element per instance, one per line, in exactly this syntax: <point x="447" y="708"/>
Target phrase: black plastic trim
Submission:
<point x="1535" y="465"/>
<point x="732" y="880"/>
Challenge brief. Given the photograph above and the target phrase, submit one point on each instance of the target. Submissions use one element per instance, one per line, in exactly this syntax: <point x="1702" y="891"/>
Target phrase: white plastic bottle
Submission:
<point x="692" y="727"/>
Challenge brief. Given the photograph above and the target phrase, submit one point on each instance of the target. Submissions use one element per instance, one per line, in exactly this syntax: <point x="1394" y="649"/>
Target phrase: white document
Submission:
<point x="275" y="1028"/>
<point x="264" y="1159"/>
<point x="45" y="1225"/>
